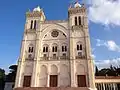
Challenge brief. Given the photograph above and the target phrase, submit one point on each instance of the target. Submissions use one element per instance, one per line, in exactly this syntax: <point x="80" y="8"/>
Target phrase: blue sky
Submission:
<point x="104" y="27"/>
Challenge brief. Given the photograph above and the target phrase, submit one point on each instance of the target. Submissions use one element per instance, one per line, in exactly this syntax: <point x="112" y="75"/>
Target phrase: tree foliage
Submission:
<point x="2" y="79"/>
<point x="12" y="74"/>
<point x="111" y="71"/>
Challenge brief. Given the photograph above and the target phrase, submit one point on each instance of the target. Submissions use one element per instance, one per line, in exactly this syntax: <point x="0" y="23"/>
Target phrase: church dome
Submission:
<point x="77" y="5"/>
<point x="37" y="9"/>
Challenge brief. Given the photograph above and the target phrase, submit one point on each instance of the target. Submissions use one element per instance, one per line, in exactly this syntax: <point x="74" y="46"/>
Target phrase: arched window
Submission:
<point x="79" y="50"/>
<point x="35" y="24"/>
<point x="54" y="49"/>
<point x="75" y="20"/>
<point x="45" y="49"/>
<point x="79" y="20"/>
<point x="31" y="26"/>
<point x="64" y="48"/>
<point x="79" y="47"/>
<point x="30" y="50"/>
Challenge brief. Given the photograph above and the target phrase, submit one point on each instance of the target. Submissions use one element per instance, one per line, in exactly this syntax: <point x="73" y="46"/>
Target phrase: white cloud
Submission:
<point x="93" y="56"/>
<point x="111" y="45"/>
<point x="106" y="63"/>
<point x="106" y="12"/>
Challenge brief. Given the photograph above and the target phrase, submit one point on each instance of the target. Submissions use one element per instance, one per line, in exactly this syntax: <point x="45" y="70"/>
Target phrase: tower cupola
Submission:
<point x="36" y="13"/>
<point x="77" y="5"/>
<point x="37" y="9"/>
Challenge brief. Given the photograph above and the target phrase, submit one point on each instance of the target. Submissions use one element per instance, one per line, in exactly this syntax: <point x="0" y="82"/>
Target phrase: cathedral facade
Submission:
<point x="56" y="53"/>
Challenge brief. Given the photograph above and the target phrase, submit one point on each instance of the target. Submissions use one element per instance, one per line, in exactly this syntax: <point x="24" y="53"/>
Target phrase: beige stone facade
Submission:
<point x="58" y="48"/>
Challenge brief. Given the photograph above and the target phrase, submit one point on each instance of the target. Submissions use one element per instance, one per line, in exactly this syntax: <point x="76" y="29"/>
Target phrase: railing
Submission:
<point x="80" y="57"/>
<point x="107" y="86"/>
<point x="54" y="58"/>
<point x="29" y="59"/>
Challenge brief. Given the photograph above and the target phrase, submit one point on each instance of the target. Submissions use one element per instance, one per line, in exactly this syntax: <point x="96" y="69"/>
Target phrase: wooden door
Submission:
<point x="27" y="81"/>
<point x="81" y="79"/>
<point x="53" y="80"/>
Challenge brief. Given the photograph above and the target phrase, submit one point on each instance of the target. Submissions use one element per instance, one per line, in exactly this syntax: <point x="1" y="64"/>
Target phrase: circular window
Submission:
<point x="54" y="33"/>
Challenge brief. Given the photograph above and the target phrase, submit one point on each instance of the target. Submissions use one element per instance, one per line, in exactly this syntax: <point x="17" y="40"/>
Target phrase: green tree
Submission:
<point x="2" y="79"/>
<point x="96" y="71"/>
<point x="12" y="74"/>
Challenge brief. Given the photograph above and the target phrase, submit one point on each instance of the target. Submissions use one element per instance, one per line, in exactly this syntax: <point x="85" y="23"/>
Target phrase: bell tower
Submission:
<point x="81" y="63"/>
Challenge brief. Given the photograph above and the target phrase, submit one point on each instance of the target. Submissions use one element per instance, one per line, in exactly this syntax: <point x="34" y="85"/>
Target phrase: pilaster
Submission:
<point x="89" y="61"/>
<point x="21" y="62"/>
<point x="36" y="59"/>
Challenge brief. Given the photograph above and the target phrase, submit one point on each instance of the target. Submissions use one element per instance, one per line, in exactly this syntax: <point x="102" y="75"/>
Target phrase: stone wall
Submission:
<point x="52" y="88"/>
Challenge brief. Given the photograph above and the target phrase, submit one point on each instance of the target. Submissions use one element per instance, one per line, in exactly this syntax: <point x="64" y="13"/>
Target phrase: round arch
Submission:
<point x="43" y="76"/>
<point x="64" y="69"/>
<point x="52" y="27"/>
<point x="80" y="69"/>
<point x="54" y="70"/>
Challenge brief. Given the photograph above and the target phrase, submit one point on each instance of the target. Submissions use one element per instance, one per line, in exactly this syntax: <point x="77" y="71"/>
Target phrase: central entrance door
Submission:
<point x="81" y="79"/>
<point x="27" y="81"/>
<point x="53" y="80"/>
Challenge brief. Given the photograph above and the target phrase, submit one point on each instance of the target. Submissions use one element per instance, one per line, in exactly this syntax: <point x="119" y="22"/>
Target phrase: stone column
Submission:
<point x="21" y="62"/>
<point x="36" y="59"/>
<point x="48" y="80"/>
<point x="72" y="61"/>
<point x="89" y="60"/>
<point x="103" y="86"/>
<point x="73" y="84"/>
<point x="114" y="86"/>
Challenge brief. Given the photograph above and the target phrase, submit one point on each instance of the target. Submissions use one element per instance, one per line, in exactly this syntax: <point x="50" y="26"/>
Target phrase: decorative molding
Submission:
<point x="33" y="14"/>
<point x="77" y="10"/>
<point x="55" y="21"/>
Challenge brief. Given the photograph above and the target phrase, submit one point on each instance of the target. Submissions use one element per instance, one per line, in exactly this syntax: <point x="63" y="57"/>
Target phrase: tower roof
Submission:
<point x="77" y="4"/>
<point x="37" y="9"/>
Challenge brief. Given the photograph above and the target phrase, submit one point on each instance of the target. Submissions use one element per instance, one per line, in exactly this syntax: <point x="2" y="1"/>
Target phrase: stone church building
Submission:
<point x="56" y="54"/>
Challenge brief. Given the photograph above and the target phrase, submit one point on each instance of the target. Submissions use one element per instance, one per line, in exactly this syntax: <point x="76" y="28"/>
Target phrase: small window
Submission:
<point x="80" y="47"/>
<point x="79" y="20"/>
<point x="62" y="48"/>
<point x="46" y="49"/>
<point x="55" y="48"/>
<point x="35" y="24"/>
<point x="64" y="54"/>
<point x="65" y="48"/>
<point x="30" y="56"/>
<point x="80" y="54"/>
<point x="52" y="49"/>
<point x="30" y="50"/>
<point x="77" y="47"/>
<point x="45" y="55"/>
<point x="43" y="49"/>
<point x="31" y="26"/>
<point x="75" y="20"/>
<point x="54" y="56"/>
